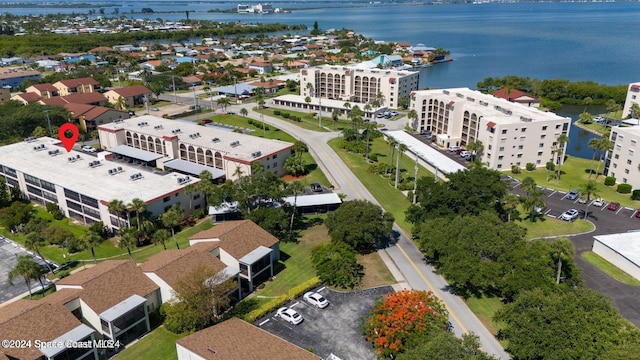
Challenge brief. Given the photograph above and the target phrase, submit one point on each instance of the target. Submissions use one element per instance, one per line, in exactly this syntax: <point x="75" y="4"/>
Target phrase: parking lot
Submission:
<point x="335" y="329"/>
<point x="9" y="252"/>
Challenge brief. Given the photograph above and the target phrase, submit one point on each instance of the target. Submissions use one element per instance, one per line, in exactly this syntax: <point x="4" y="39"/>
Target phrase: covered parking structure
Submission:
<point x="315" y="203"/>
<point x="426" y="153"/>
<point x="139" y="156"/>
<point x="189" y="168"/>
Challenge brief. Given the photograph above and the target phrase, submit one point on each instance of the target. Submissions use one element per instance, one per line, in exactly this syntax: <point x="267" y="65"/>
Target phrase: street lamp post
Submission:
<point x="320" y="111"/>
<point x="415" y="181"/>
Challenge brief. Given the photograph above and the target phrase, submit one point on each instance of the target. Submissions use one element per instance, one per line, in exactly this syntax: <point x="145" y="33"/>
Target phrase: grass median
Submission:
<point x="609" y="269"/>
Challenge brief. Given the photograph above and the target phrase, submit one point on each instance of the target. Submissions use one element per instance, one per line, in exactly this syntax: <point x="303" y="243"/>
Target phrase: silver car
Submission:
<point x="569" y="215"/>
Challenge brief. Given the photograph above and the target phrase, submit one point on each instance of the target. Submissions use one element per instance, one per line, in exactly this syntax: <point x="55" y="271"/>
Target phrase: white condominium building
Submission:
<point x="192" y="148"/>
<point x="358" y="85"/>
<point x="511" y="133"/>
<point x="82" y="185"/>
<point x="633" y="97"/>
<point x="622" y="161"/>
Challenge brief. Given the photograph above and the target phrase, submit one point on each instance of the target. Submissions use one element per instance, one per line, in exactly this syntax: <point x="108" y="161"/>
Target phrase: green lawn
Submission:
<point x="485" y="309"/>
<point x="381" y="188"/>
<point x="160" y="344"/>
<point x="307" y="120"/>
<point x="546" y="226"/>
<point x="610" y="269"/>
<point x="575" y="173"/>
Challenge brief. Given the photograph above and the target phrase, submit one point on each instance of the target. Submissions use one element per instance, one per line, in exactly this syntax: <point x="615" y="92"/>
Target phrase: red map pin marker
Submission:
<point x="68" y="142"/>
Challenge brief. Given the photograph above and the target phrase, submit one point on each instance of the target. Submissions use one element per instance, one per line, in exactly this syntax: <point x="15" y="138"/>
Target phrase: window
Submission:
<point x="626" y="171"/>
<point x="500" y="157"/>
<point x="543" y="136"/>
<point x="489" y="148"/>
<point x="275" y="164"/>
<point x="504" y="131"/>
<point x="539" y="153"/>
<point x="633" y="142"/>
<point x="617" y="156"/>
<point x="520" y="147"/>
<point x="631" y="151"/>
<point x="615" y="165"/>
<point x="274" y="156"/>
<point x="624" y="180"/>
<point x="558" y="126"/>
<point x="501" y="148"/>
<point x="196" y="197"/>
<point x="544" y="128"/>
<point x="499" y="166"/>
<point x="166" y="199"/>
<point x="519" y="156"/>
<point x="629" y="161"/>
<point x="541" y="145"/>
<point x="538" y="162"/>
<point x="523" y="129"/>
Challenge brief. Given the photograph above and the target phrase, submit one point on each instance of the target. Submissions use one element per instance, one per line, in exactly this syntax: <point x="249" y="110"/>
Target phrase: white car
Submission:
<point x="316" y="300"/>
<point x="89" y="149"/>
<point x="454" y="148"/>
<point x="569" y="215"/>
<point x="598" y="119"/>
<point x="599" y="202"/>
<point x="465" y="154"/>
<point x="289" y="315"/>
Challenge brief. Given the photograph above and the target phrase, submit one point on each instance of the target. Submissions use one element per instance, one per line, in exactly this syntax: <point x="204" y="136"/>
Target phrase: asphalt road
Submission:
<point x="404" y="254"/>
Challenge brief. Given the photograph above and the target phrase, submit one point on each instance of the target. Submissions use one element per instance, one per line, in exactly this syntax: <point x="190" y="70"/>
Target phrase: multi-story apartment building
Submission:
<point x="82" y="186"/>
<point x="358" y="85"/>
<point x="623" y="160"/>
<point x="633" y="97"/>
<point x="193" y="148"/>
<point x="511" y="133"/>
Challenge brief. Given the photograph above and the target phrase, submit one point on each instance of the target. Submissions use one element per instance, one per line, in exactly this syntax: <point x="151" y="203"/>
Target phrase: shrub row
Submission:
<point x="258" y="124"/>
<point x="282" y="299"/>
<point x="287" y="116"/>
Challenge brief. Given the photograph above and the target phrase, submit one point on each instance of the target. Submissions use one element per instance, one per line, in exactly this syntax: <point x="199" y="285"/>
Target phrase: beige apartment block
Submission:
<point x="511" y="133"/>
<point x="633" y="97"/>
<point x="623" y="159"/>
<point x="358" y="85"/>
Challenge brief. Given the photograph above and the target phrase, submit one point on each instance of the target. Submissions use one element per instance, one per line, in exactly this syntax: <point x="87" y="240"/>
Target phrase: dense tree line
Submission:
<point x="18" y="121"/>
<point x="559" y="90"/>
<point x="464" y="229"/>
<point x="49" y="44"/>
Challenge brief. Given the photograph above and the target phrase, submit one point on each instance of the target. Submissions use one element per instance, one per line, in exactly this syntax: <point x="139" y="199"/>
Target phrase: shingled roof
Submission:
<point x="238" y="238"/>
<point x="173" y="265"/>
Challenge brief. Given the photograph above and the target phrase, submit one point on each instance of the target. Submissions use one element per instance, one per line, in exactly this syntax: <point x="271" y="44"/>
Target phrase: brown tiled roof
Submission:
<point x="109" y="283"/>
<point x="238" y="238"/>
<point x="89" y="112"/>
<point x="511" y="94"/>
<point x="101" y="49"/>
<point x="268" y="84"/>
<point x="236" y="339"/>
<point x="29" y="97"/>
<point x="172" y="265"/>
<point x="35" y="320"/>
<point x="56" y="100"/>
<point x="77" y="82"/>
<point x="133" y="90"/>
<point x="44" y="87"/>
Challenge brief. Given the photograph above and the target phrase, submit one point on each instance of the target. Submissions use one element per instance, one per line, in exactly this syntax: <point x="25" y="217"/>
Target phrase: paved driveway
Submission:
<point x="9" y="252"/>
<point x="335" y="329"/>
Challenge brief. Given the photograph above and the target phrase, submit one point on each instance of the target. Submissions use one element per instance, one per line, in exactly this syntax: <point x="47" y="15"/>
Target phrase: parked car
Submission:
<point x="599" y="202"/>
<point x="206" y="121"/>
<point x="289" y="315"/>
<point x="573" y="194"/>
<point x="316" y="187"/>
<point x="454" y="148"/>
<point x="153" y="108"/>
<point x="569" y="215"/>
<point x="131" y="113"/>
<point x="465" y="153"/>
<point x="316" y="300"/>
<point x="88" y="149"/>
<point x="539" y="209"/>
<point x="379" y="115"/>
<point x="599" y="120"/>
<point x="613" y="206"/>
<point x="638" y="213"/>
<point x="582" y="200"/>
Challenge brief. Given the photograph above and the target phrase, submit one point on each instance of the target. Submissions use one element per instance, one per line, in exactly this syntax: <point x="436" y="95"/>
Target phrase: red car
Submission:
<point x="613" y="206"/>
<point x="638" y="213"/>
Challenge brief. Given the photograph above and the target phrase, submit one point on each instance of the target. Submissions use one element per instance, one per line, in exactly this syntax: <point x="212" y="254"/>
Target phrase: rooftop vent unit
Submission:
<point x="526" y="119"/>
<point x="135" y="176"/>
<point x="54" y="152"/>
<point x="446" y="92"/>
<point x="30" y="139"/>
<point x="235" y="143"/>
<point x="176" y="131"/>
<point x="256" y="154"/>
<point x="460" y="95"/>
<point x="215" y="140"/>
<point x="183" y="180"/>
<point x="158" y="127"/>
<point x="94" y="163"/>
<point x="118" y="121"/>
<point x="113" y="171"/>
<point x="72" y="159"/>
<point x="484" y="103"/>
<point x="39" y="147"/>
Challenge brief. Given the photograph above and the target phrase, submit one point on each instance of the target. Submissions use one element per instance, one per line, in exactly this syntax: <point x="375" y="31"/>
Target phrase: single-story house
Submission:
<point x="133" y="95"/>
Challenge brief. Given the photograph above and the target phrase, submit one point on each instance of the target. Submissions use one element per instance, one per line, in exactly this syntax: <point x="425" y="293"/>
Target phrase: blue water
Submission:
<point x="575" y="41"/>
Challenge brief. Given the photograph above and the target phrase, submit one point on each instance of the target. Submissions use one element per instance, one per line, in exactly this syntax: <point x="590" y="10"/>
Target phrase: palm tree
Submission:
<point x="604" y="146"/>
<point x="28" y="269"/>
<point x="128" y="239"/>
<point x="528" y="185"/>
<point x="532" y="202"/>
<point x="413" y="115"/>
<point x="562" y="140"/>
<point x="475" y="147"/>
<point x="308" y="101"/>
<point x="160" y="237"/>
<point x="171" y="219"/>
<point x="188" y="190"/>
<point x="347" y="106"/>
<point x="294" y="187"/>
<point x="223" y="102"/>
<point x="588" y="189"/>
<point x="585" y="118"/>
<point x="392" y="147"/>
<point x="335" y="115"/>
<point x="244" y="112"/>
<point x="586" y="102"/>
<point x="32" y="242"/>
<point x="90" y="240"/>
<point x="595" y="145"/>
<point x="550" y="166"/>
<point x="510" y="203"/>
<point x="401" y="149"/>
<point x="139" y="207"/>
<point x="121" y="103"/>
<point x="367" y="109"/>
<point x="117" y="208"/>
<point x="564" y="249"/>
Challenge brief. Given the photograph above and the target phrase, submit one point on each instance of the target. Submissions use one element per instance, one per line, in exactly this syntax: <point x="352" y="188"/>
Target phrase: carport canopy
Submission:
<point x="128" y="151"/>
<point x="427" y="153"/>
<point x="193" y="168"/>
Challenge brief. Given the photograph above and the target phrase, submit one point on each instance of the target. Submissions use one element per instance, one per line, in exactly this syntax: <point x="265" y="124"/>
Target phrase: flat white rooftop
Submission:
<point x="202" y="136"/>
<point x="492" y="108"/>
<point x="80" y="177"/>
<point x="625" y="244"/>
<point x="427" y="153"/>
<point x="331" y="103"/>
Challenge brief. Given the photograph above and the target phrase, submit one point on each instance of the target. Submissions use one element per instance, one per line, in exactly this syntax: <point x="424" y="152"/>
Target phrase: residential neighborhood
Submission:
<point x="300" y="196"/>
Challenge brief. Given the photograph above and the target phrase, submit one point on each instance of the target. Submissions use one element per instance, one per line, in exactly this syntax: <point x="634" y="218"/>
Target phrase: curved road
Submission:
<point x="404" y="259"/>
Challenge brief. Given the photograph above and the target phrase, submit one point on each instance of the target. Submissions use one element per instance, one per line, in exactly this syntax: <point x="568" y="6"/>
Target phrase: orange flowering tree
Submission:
<point x="401" y="319"/>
